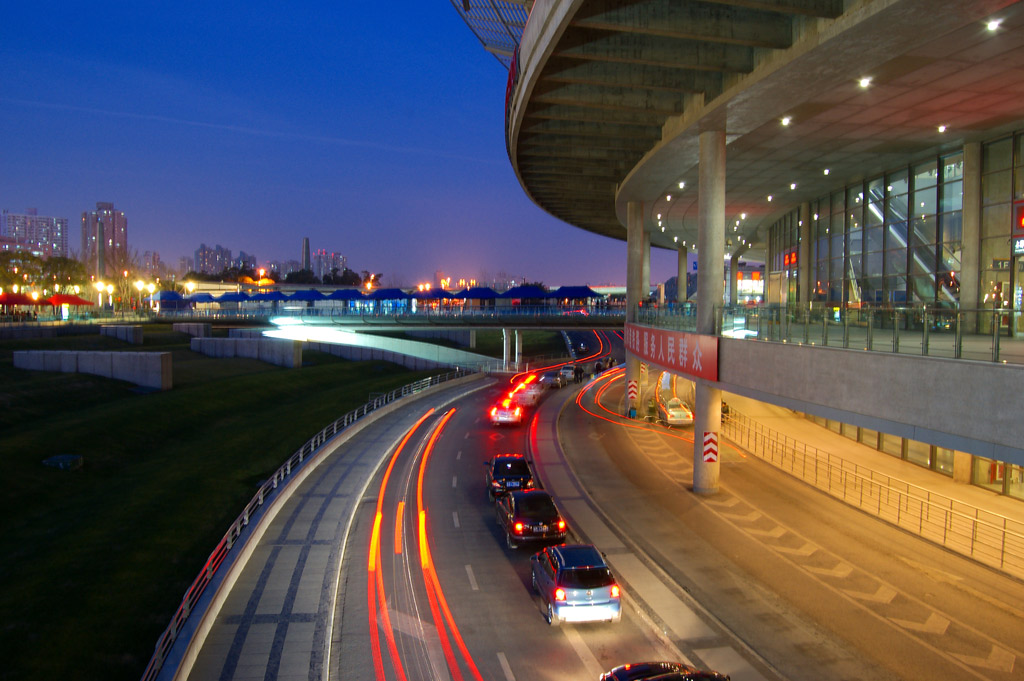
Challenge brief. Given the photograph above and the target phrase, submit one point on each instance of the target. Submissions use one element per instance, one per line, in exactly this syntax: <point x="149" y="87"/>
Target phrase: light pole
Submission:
<point x="139" y="285"/>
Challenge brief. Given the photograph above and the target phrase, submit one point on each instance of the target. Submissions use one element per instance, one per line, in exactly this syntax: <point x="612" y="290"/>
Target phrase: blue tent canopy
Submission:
<point x="477" y="293"/>
<point x="525" y="292"/>
<point x="200" y="297"/>
<point x="271" y="296"/>
<point x="233" y="297"/>
<point x="346" y="294"/>
<point x="575" y="292"/>
<point x="165" y="297"/>
<point x="307" y="295"/>
<point x="388" y="294"/>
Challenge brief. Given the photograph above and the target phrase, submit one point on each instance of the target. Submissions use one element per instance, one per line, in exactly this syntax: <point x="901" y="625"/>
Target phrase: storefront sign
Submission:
<point x="693" y="354"/>
<point x="1018" y="246"/>
<point x="1002" y="263"/>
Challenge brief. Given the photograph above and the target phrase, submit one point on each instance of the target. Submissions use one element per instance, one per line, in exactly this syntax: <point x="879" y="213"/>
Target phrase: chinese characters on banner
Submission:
<point x="692" y="354"/>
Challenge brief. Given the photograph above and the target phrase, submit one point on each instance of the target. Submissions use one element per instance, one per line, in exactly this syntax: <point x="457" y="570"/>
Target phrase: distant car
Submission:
<point x="528" y="516"/>
<point x="506" y="412"/>
<point x="552" y="379"/>
<point x="662" y="671"/>
<point x="506" y="472"/>
<point x="575" y="584"/>
<point x="528" y="391"/>
<point x="568" y="373"/>
<point x="675" y="412"/>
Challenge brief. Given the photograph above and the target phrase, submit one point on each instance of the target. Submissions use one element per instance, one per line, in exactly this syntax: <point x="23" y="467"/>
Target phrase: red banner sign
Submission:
<point x="693" y="354"/>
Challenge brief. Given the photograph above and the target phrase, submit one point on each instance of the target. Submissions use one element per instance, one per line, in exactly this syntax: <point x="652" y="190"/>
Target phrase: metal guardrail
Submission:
<point x="989" y="538"/>
<point x="263" y="494"/>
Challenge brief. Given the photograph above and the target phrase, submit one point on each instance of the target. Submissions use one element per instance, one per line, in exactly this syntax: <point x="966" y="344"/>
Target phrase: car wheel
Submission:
<point x="511" y="542"/>
<point x="552" y="617"/>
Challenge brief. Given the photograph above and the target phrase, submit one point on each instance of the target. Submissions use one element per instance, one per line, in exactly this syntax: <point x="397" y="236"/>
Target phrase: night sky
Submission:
<point x="373" y="128"/>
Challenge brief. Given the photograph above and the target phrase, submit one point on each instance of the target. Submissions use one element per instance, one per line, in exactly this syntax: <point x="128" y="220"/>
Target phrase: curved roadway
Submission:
<point x="767" y="580"/>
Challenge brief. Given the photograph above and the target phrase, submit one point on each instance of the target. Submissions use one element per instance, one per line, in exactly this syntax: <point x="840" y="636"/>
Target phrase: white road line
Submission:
<point x="466" y="436"/>
<point x="454" y="480"/>
<point x="590" y="662"/>
<point x="503" y="661"/>
<point x="459" y="455"/>
<point x="472" y="578"/>
<point x="455" y="518"/>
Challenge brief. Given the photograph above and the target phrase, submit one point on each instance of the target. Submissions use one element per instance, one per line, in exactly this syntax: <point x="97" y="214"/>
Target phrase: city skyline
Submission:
<point x="376" y="134"/>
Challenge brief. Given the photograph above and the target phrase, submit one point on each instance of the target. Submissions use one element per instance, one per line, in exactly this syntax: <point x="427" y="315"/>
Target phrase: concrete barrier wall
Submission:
<point x="194" y="329"/>
<point x="464" y="337"/>
<point x="148" y="369"/>
<point x="283" y="353"/>
<point x="126" y="333"/>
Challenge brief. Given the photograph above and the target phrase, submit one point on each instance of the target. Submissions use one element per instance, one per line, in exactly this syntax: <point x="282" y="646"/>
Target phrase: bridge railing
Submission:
<point x="987" y="537"/>
<point x="266" y="492"/>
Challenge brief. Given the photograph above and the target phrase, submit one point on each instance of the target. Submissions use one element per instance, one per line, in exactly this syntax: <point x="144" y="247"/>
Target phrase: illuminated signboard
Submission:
<point x="1018" y="220"/>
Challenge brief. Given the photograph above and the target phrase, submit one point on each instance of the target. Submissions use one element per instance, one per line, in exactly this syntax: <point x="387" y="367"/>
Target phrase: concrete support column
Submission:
<point x="519" y="349"/>
<point x="506" y="348"/>
<point x="472" y="339"/>
<point x="710" y="283"/>
<point x="970" y="257"/>
<point x="805" y="268"/>
<point x="634" y="287"/>
<point x="646" y="276"/>
<point x="734" y="269"/>
<point x="681" y="274"/>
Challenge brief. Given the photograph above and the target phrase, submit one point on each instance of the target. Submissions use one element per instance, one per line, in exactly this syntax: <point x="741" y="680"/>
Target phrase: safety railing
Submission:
<point x="266" y="492"/>
<point x="987" y="537"/>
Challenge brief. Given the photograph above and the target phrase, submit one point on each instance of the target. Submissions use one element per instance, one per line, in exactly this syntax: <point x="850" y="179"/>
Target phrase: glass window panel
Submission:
<point x="873" y="266"/>
<point x="996" y="155"/>
<point x="922" y="261"/>
<point x="1018" y="183"/>
<point x="874" y="213"/>
<point x="995" y="187"/>
<point x="856" y="267"/>
<point x="951" y="197"/>
<point x="951" y="227"/>
<point x="892" y="444"/>
<point x="896" y="262"/>
<point x="993" y="249"/>
<point x="896" y="289"/>
<point x="949" y="256"/>
<point x="995" y="221"/>
<point x="896" y="235"/>
<point x="925" y="175"/>
<point x="876" y="189"/>
<point x="873" y="239"/>
<point x="855" y="242"/>
<point x="924" y="203"/>
<point x="918" y="452"/>
<point x="836" y="270"/>
<point x="1018" y="156"/>
<point x="837" y="203"/>
<point x="924" y="231"/>
<point x="897" y="183"/>
<point x="897" y="209"/>
<point x="838" y="251"/>
<point x="854" y="199"/>
<point x="1015" y="485"/>
<point x="988" y="474"/>
<point x="922" y="289"/>
<point x="953" y="167"/>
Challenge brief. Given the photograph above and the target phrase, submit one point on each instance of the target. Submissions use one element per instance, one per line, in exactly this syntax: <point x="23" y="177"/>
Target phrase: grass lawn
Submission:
<point x="97" y="560"/>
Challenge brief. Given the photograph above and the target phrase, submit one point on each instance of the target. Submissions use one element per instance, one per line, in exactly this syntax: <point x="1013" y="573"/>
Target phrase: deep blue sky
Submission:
<point x="373" y="128"/>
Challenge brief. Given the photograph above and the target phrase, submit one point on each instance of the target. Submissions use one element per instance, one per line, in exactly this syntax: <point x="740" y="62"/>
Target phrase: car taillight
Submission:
<point x="495" y="483"/>
<point x="615" y="590"/>
<point x="494" y="410"/>
<point x="561" y="524"/>
<point x="517" y="411"/>
<point x="559" y="594"/>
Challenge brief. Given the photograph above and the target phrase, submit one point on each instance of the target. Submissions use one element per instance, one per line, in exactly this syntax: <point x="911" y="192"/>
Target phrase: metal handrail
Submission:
<point x="990" y="538"/>
<point x="265" y="492"/>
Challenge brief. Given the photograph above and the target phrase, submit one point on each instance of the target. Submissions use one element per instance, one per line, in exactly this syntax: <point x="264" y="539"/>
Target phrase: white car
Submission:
<point x="675" y="412"/>
<point x="506" y="412"/>
<point x="568" y="373"/>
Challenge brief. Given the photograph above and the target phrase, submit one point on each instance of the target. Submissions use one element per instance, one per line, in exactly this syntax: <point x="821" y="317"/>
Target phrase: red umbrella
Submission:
<point x="67" y="299"/>
<point x="11" y="298"/>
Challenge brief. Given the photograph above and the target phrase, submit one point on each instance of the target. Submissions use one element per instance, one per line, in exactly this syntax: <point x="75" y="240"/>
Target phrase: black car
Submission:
<point x="660" y="671"/>
<point x="506" y="472"/>
<point x="530" y="515"/>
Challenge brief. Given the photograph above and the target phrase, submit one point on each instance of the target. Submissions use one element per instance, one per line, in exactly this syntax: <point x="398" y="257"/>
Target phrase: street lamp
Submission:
<point x="100" y="287"/>
<point x="139" y="284"/>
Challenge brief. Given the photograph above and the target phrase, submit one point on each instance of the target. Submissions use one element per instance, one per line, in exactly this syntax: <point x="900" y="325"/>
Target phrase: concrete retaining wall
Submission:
<point x="358" y="354"/>
<point x="194" y="329"/>
<point x="283" y="353"/>
<point x="128" y="334"/>
<point x="465" y="338"/>
<point x="148" y="369"/>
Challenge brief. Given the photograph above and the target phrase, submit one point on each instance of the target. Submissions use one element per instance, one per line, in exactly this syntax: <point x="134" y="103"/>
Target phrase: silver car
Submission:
<point x="575" y="584"/>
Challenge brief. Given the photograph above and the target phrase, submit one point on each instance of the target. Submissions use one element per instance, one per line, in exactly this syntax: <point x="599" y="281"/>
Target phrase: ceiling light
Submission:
<point x="993" y="24"/>
<point x="743" y="216"/>
<point x="786" y="120"/>
<point x="825" y="171"/>
<point x="736" y="227"/>
<point x="942" y="128"/>
<point x="676" y="240"/>
<point x="792" y="186"/>
<point x="682" y="185"/>
<point x="865" y="81"/>
<point x="668" y="197"/>
<point x="815" y="216"/>
<point x="662" y="229"/>
<point x="659" y="216"/>
<point x="769" y="197"/>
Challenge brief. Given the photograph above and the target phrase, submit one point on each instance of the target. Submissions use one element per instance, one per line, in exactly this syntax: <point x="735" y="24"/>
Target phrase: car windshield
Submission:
<point x="675" y="403"/>
<point x="511" y="467"/>
<point x="586" y="578"/>
<point x="536" y="506"/>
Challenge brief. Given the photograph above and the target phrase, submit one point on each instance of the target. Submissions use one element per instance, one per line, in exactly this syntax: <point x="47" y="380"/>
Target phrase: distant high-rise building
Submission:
<point x="41" y="235"/>
<point x="245" y="261"/>
<point x="185" y="265"/>
<point x="305" y="253"/>
<point x="212" y="260"/>
<point x="326" y="263"/>
<point x="104" y="239"/>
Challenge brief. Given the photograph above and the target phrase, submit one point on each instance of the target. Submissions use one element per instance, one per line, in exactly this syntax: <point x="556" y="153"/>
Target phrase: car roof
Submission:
<point x="579" y="555"/>
<point x="501" y="458"/>
<point x="519" y="494"/>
